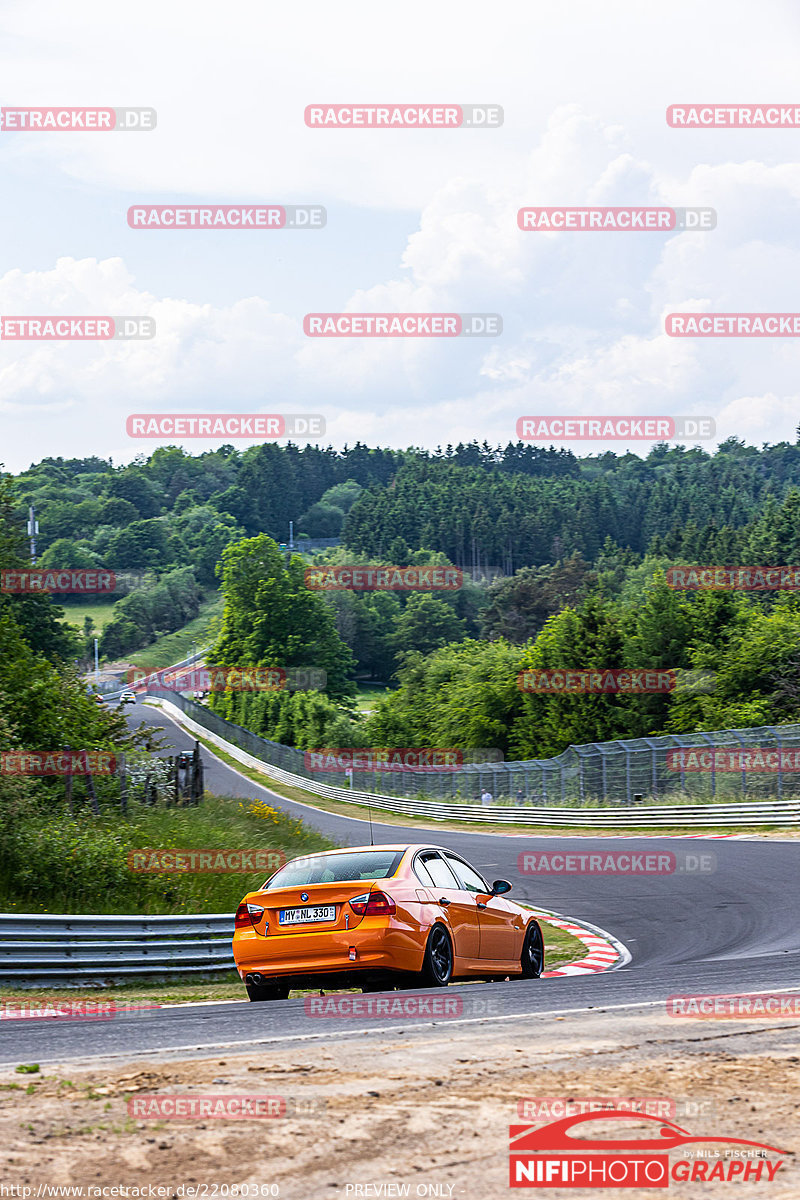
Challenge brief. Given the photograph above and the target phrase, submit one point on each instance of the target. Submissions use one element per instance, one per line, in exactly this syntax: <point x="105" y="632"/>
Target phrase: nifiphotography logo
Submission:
<point x="552" y="1156"/>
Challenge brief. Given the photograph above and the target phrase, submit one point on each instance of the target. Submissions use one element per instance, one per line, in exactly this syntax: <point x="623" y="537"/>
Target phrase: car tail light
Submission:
<point x="373" y="904"/>
<point x="248" y="916"/>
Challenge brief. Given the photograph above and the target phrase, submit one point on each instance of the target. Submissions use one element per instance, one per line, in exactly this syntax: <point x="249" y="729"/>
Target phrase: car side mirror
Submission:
<point x="500" y="886"/>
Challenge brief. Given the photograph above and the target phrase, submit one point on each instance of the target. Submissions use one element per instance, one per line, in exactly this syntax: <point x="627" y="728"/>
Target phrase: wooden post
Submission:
<point x="68" y="788"/>
<point x="197" y="775"/>
<point x="90" y="787"/>
<point x="123" y="786"/>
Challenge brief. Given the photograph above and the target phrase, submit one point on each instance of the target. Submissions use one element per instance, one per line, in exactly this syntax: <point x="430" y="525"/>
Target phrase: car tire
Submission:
<point x="271" y="991"/>
<point x="532" y="958"/>
<point x="437" y="965"/>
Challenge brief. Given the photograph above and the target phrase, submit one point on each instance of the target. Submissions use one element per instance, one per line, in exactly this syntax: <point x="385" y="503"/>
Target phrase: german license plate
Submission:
<point x="304" y="916"/>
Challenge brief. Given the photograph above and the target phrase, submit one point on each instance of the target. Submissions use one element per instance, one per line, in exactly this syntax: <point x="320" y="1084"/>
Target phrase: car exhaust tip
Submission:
<point x="255" y="980"/>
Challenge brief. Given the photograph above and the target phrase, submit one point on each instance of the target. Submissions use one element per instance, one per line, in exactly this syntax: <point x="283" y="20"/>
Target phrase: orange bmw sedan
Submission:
<point x="378" y="917"/>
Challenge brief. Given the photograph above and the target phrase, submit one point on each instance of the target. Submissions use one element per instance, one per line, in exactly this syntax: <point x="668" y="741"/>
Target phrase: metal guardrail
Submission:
<point x="114" y="693"/>
<point x="662" y="770"/>
<point x="40" y="948"/>
<point x="770" y="812"/>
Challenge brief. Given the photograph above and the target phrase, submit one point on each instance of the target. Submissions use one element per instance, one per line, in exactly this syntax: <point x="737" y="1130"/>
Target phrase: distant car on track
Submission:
<point x="377" y="917"/>
<point x="128" y="698"/>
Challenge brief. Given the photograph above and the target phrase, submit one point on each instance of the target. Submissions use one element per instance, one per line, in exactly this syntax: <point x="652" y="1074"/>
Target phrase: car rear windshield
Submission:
<point x="338" y="868"/>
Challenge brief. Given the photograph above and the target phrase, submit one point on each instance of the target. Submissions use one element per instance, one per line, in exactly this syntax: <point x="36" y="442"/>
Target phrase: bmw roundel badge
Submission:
<point x="304" y="895"/>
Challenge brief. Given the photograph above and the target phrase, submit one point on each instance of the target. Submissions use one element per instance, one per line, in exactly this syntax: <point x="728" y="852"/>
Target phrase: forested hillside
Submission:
<point x="43" y="703"/>
<point x="506" y="508"/>
<point x="576" y="550"/>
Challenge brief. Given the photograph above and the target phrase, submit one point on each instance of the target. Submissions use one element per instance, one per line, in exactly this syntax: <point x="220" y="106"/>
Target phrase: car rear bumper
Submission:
<point x="284" y="956"/>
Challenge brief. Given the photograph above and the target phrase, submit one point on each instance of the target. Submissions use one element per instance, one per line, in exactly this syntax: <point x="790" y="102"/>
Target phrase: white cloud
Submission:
<point x="584" y="100"/>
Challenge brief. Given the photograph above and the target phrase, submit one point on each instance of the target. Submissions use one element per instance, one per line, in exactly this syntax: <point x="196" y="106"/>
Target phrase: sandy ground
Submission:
<point x="429" y="1109"/>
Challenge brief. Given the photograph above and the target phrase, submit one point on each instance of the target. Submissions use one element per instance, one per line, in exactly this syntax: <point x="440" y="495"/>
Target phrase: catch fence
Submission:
<point x="718" y="767"/>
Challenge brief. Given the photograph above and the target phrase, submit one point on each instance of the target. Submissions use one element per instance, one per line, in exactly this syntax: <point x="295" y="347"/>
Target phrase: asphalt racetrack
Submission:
<point x="731" y="929"/>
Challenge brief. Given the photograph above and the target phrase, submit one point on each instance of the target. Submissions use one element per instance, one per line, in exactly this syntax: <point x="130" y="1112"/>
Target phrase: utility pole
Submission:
<point x="291" y="535"/>
<point x="96" y="667"/>
<point x="33" y="529"/>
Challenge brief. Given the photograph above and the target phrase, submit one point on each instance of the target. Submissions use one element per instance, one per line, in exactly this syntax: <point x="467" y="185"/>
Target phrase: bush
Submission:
<point x="51" y="862"/>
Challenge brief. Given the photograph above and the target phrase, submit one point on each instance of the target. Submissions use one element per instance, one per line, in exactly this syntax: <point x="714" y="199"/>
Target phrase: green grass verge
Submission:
<point x="101" y="613"/>
<point x="173" y="647"/>
<point x="369" y="694"/>
<point x="51" y="862"/>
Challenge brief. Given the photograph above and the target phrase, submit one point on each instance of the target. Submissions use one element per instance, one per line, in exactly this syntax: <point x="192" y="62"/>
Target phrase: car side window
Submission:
<point x="421" y="872"/>
<point x="439" y="871"/>
<point x="468" y="878"/>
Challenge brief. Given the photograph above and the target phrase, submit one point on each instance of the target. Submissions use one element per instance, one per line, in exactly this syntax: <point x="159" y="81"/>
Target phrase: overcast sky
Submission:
<point x="417" y="220"/>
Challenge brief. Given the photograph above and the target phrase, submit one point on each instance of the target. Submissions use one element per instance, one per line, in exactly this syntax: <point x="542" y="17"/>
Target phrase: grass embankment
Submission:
<point x="369" y="694"/>
<point x="173" y="647"/>
<point x="101" y="613"/>
<point x="51" y="862"/>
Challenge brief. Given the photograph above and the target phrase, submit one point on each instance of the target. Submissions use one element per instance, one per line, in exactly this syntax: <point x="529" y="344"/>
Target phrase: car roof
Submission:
<point x="380" y="846"/>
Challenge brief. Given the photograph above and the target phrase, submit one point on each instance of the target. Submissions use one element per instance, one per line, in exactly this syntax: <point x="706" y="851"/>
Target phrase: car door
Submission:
<point x="501" y="927"/>
<point x="459" y="906"/>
